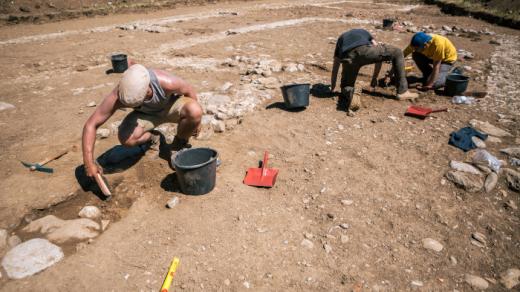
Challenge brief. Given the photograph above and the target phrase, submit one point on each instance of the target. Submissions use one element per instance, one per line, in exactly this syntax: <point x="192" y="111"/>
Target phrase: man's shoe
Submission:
<point x="407" y="95"/>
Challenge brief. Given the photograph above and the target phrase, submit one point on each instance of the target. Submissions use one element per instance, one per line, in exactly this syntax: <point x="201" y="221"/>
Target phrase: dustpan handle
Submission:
<point x="264" y="163"/>
<point x="439" y="110"/>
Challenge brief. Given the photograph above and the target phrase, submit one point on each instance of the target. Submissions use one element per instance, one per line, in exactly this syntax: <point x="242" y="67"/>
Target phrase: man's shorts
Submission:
<point x="171" y="114"/>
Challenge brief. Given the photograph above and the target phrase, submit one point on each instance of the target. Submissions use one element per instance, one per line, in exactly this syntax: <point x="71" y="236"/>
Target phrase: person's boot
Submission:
<point x="407" y="95"/>
<point x="353" y="100"/>
<point x="177" y="145"/>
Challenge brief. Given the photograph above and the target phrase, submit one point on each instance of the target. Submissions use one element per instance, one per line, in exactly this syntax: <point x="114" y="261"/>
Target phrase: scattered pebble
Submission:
<point x="307" y="244"/>
<point x="327" y="248"/>
<point x="510" y="278"/>
<point x="102" y="133"/>
<point x="344" y="225"/>
<point x="432" y="244"/>
<point x="417" y="283"/>
<point x="344" y="238"/>
<point x="246" y="284"/>
<point x="90" y="212"/>
<point x="478" y="239"/>
<point x="91" y="104"/>
<point x="347" y="202"/>
<point x="453" y="260"/>
<point x="6" y="106"/>
<point x="104" y="224"/>
<point x="227" y="282"/>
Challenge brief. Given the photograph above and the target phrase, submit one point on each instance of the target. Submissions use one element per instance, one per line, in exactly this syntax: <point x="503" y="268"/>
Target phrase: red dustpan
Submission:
<point x="261" y="177"/>
<point x="421" y="112"/>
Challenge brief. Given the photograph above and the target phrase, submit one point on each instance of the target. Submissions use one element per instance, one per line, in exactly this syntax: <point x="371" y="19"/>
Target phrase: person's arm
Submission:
<point x="377" y="69"/>
<point x="173" y="84"/>
<point x="433" y="76"/>
<point x="409" y="49"/>
<point x="334" y="74"/>
<point x="102" y="113"/>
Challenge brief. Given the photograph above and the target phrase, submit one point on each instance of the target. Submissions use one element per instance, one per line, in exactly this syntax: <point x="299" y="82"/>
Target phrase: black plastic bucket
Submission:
<point x="119" y="63"/>
<point x="196" y="170"/>
<point x="388" y="22"/>
<point x="296" y="95"/>
<point x="456" y="84"/>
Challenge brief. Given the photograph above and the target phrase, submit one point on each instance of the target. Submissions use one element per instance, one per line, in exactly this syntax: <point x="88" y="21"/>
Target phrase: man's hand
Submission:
<point x="424" y="87"/>
<point x="92" y="169"/>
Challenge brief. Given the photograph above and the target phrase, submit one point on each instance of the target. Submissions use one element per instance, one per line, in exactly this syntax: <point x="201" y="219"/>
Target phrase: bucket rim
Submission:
<point x="465" y="78"/>
<point x="116" y="56"/>
<point x="295" y="84"/>
<point x="213" y="158"/>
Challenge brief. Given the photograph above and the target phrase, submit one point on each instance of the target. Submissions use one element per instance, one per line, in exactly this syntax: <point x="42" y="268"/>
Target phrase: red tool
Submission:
<point x="261" y="177"/>
<point x="421" y="112"/>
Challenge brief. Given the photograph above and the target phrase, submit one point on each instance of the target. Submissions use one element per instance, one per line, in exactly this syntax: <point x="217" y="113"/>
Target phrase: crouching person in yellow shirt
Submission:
<point x="435" y="56"/>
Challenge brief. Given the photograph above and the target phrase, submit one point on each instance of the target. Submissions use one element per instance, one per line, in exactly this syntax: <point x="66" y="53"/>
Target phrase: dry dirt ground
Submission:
<point x="237" y="237"/>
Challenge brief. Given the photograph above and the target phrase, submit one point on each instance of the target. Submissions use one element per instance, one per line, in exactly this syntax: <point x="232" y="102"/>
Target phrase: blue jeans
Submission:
<point x="425" y="65"/>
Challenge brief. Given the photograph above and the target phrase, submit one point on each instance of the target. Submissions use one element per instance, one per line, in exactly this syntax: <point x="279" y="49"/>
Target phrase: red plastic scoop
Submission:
<point x="261" y="177"/>
<point x="421" y="112"/>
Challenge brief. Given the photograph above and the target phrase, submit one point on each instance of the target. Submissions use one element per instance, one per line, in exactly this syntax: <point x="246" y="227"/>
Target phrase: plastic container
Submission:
<point x="462" y="99"/>
<point x="296" y="95"/>
<point x="456" y="84"/>
<point x="388" y="22"/>
<point x="483" y="157"/>
<point x="196" y="170"/>
<point x="119" y="63"/>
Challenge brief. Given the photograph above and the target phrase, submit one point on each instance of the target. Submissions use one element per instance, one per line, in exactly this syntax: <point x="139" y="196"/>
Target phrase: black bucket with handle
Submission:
<point x="296" y="95"/>
<point x="119" y="63"/>
<point x="196" y="170"/>
<point x="456" y="84"/>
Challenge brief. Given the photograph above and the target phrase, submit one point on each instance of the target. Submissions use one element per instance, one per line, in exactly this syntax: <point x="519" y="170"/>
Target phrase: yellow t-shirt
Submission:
<point x="439" y="48"/>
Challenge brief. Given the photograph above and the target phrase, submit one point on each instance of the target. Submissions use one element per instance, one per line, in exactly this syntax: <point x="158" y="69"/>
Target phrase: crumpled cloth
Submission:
<point x="462" y="138"/>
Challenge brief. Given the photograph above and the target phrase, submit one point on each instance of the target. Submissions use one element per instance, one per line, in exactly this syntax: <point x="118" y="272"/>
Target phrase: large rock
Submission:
<point x="31" y="257"/>
<point x="60" y="231"/>
<point x="432" y="244"/>
<point x="469" y="182"/>
<point x="464" y="167"/>
<point x="476" y="282"/>
<point x="509" y="278"/>
<point x="513" y="179"/>
<point x="488" y="128"/>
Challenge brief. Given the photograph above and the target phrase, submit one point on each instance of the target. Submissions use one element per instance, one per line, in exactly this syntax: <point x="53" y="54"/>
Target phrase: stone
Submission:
<point x="246" y="284"/>
<point x="291" y="67"/>
<point x="269" y="82"/>
<point x="490" y="182"/>
<point x="476" y="282"/>
<point x="218" y="126"/>
<point x="417" y="283"/>
<point x="512" y="151"/>
<point x="104" y="224"/>
<point x="114" y="127"/>
<point x="344" y="238"/>
<point x="102" y="133"/>
<point x="61" y="231"/>
<point x="513" y="179"/>
<point x="3" y="240"/>
<point x="432" y="244"/>
<point x="156" y="29"/>
<point x="478" y="239"/>
<point x="479" y="143"/>
<point x="453" y="260"/>
<point x="31" y="257"/>
<point x="226" y="86"/>
<point x="227" y="282"/>
<point x="464" y="167"/>
<point x="6" y="106"/>
<point x="511" y="205"/>
<point x="469" y="182"/>
<point x="488" y="128"/>
<point x="492" y="139"/>
<point x="447" y="28"/>
<point x="327" y="248"/>
<point x="174" y="201"/>
<point x="344" y="226"/>
<point x="347" y="202"/>
<point x="13" y="241"/>
<point x="510" y="277"/>
<point x="90" y="212"/>
<point x="91" y="104"/>
<point x="307" y="243"/>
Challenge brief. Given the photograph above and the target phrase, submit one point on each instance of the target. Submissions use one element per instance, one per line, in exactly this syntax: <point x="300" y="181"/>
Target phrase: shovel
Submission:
<point x="261" y="177"/>
<point x="421" y="112"/>
<point x="103" y="186"/>
<point x="39" y="166"/>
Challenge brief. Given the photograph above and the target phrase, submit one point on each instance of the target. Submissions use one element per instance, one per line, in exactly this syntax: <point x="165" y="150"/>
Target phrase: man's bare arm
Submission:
<point x="102" y="113"/>
<point x="334" y="74"/>
<point x="173" y="84"/>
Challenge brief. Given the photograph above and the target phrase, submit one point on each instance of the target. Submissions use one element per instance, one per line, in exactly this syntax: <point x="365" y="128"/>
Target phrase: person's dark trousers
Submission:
<point x="425" y="65"/>
<point x="365" y="55"/>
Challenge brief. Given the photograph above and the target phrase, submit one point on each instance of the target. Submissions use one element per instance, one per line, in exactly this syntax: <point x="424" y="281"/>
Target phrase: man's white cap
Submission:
<point x="133" y="86"/>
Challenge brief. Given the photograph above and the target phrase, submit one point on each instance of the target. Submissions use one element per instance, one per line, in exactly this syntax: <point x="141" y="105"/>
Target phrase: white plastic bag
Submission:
<point x="483" y="157"/>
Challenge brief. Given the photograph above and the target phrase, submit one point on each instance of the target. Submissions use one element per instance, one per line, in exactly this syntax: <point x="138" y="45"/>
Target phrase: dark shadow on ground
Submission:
<point x="378" y="94"/>
<point x="282" y="106"/>
<point x="170" y="183"/>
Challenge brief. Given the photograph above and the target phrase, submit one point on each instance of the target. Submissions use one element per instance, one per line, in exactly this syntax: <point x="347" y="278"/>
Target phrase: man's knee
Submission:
<point x="192" y="110"/>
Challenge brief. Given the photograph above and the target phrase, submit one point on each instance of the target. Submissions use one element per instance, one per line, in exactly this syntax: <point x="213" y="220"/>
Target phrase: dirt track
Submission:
<point x="391" y="167"/>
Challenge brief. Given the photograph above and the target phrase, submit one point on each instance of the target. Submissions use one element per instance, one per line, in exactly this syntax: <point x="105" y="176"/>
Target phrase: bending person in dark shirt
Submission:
<point x="357" y="48"/>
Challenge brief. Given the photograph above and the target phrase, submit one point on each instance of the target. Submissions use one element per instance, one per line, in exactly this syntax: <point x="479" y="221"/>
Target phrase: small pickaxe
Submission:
<point x="39" y="166"/>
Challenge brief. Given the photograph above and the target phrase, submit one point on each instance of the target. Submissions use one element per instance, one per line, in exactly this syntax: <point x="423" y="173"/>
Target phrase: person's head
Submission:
<point x="420" y="39"/>
<point x="134" y="86"/>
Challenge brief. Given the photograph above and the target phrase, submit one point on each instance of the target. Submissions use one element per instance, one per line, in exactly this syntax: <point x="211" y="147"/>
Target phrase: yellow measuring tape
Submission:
<point x="169" y="277"/>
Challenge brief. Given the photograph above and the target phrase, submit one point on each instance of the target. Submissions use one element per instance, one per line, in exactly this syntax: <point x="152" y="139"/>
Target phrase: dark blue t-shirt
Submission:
<point x="350" y="40"/>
